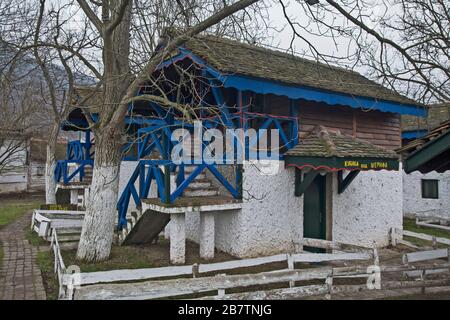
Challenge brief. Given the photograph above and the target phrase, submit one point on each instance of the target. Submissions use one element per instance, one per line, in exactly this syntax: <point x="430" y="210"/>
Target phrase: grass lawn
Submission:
<point x="10" y="210"/>
<point x="140" y="256"/>
<point x="44" y="260"/>
<point x="410" y="225"/>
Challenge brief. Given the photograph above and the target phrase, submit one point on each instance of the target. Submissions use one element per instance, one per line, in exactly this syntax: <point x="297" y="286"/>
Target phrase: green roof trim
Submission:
<point x="332" y="151"/>
<point x="427" y="152"/>
<point x="346" y="163"/>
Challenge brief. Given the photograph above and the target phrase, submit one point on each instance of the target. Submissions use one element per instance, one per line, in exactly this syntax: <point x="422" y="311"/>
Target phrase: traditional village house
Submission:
<point x="23" y="163"/>
<point x="426" y="192"/>
<point x="337" y="176"/>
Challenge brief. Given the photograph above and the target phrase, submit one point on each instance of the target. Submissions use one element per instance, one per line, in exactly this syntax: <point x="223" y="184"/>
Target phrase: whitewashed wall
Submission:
<point x="15" y="175"/>
<point x="126" y="170"/>
<point x="368" y="209"/>
<point x="413" y="203"/>
<point x="271" y="220"/>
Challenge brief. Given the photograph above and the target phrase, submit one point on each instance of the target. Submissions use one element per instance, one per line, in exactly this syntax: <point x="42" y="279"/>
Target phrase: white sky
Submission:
<point x="281" y="40"/>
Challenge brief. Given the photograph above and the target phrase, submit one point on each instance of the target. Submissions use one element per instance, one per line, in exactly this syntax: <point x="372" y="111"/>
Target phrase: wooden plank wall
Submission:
<point x="380" y="128"/>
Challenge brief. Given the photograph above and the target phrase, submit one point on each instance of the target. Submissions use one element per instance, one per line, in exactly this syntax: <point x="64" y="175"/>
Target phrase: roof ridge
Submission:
<point x="261" y="48"/>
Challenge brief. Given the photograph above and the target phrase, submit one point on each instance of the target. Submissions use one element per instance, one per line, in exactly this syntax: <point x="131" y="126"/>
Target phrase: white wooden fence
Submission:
<point x="397" y="235"/>
<point x="179" y="281"/>
<point x="431" y="223"/>
<point x="198" y="271"/>
<point x="67" y="223"/>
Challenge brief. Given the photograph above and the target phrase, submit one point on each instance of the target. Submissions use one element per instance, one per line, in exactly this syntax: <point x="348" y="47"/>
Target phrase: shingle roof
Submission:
<point x="323" y="143"/>
<point x="234" y="57"/>
<point x="417" y="144"/>
<point x="437" y="114"/>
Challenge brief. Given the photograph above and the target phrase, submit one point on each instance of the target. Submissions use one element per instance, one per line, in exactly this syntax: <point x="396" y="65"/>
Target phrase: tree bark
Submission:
<point x="101" y="213"/>
<point x="50" y="166"/>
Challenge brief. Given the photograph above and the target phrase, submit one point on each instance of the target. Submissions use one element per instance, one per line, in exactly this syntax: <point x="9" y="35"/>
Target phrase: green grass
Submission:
<point x="34" y="239"/>
<point x="410" y="225"/>
<point x="44" y="260"/>
<point x="11" y="210"/>
<point x="121" y="258"/>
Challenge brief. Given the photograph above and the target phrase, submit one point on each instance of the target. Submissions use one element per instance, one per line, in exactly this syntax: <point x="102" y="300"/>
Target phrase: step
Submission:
<point x="189" y="169"/>
<point x="200" y="184"/>
<point x="201" y="176"/>
<point x="205" y="192"/>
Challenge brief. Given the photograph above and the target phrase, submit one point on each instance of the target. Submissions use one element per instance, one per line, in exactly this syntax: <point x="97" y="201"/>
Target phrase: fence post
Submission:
<point x="195" y="270"/>
<point x="376" y="258"/>
<point x="329" y="283"/>
<point x="434" y="243"/>
<point x="394" y="237"/>
<point x="448" y="258"/>
<point x="290" y="261"/>
<point x="422" y="277"/>
<point x="220" y="293"/>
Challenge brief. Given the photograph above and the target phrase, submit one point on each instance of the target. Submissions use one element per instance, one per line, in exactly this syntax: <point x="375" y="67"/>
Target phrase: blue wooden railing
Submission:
<point x="150" y="138"/>
<point x="148" y="171"/>
<point x="77" y="150"/>
<point x="62" y="170"/>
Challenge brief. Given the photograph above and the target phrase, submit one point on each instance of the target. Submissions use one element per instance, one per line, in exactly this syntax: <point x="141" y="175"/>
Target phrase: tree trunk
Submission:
<point x="50" y="166"/>
<point x="101" y="213"/>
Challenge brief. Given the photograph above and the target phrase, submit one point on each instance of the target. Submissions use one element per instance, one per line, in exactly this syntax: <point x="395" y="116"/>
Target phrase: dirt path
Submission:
<point x="20" y="277"/>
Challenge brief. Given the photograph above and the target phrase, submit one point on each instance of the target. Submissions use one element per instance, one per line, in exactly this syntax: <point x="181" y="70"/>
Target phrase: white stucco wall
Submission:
<point x="126" y="170"/>
<point x="365" y="213"/>
<point x="416" y="206"/>
<point x="271" y="220"/>
<point x="14" y="181"/>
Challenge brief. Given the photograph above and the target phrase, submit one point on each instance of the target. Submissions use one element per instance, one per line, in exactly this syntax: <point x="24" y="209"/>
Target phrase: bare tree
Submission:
<point x="403" y="44"/>
<point x="56" y="65"/>
<point x="19" y="96"/>
<point x="112" y="30"/>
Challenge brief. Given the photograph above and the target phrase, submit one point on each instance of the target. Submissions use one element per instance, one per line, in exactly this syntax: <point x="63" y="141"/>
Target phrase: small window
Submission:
<point x="430" y="189"/>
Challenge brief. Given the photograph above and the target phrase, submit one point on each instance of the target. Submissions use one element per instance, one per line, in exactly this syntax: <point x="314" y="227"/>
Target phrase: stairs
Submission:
<point x="87" y="174"/>
<point x="145" y="227"/>
<point x="201" y="186"/>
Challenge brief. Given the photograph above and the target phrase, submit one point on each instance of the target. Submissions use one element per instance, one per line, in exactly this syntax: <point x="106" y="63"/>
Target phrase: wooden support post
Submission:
<point x="166" y="156"/>
<point x="343" y="183"/>
<point x="239" y="180"/>
<point x="302" y="185"/>
<point x="433" y="242"/>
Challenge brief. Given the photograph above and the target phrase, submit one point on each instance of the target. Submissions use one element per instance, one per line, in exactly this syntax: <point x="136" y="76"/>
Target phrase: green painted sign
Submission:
<point x="335" y="163"/>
